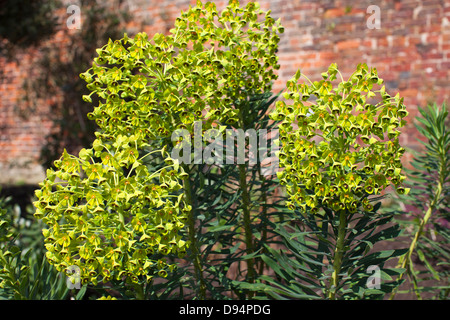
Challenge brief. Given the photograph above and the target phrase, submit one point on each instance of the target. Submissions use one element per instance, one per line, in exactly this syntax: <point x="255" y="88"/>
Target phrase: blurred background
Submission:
<point x="46" y="44"/>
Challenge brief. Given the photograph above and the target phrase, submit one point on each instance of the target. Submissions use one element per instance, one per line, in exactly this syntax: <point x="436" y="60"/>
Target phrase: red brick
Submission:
<point x="348" y="44"/>
<point x="327" y="55"/>
<point x="335" y="12"/>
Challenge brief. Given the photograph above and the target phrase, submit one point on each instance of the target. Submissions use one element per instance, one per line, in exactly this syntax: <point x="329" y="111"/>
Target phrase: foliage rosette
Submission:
<point x="109" y="216"/>
<point x="344" y="146"/>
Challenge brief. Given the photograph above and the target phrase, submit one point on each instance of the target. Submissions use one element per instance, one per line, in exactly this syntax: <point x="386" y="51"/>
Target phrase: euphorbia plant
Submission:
<point x="339" y="150"/>
<point x="118" y="210"/>
<point x="204" y="70"/>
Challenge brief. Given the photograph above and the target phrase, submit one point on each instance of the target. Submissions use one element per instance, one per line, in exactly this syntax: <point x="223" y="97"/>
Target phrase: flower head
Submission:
<point x="341" y="139"/>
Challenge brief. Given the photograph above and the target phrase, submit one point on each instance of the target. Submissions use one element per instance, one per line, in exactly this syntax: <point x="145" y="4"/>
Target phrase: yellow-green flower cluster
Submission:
<point x="232" y="53"/>
<point x="342" y="147"/>
<point x="110" y="217"/>
<point x="209" y="61"/>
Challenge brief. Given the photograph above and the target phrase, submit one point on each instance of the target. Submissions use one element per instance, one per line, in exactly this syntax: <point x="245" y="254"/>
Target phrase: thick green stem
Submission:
<point x="246" y="206"/>
<point x="338" y="254"/>
<point x="247" y="221"/>
<point x="192" y="233"/>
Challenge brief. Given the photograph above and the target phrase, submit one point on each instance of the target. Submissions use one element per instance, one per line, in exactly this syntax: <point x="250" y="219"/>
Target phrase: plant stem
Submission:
<point x="246" y="206"/>
<point x="198" y="269"/>
<point x="338" y="254"/>
<point x="264" y="226"/>
<point x="247" y="222"/>
<point x="405" y="260"/>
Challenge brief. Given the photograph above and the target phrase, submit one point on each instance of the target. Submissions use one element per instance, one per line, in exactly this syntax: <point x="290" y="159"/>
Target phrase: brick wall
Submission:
<point x="411" y="51"/>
